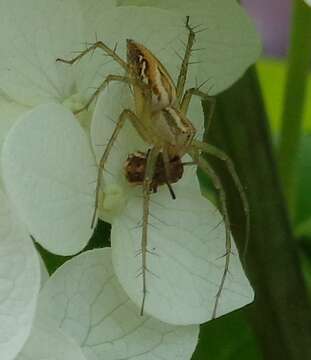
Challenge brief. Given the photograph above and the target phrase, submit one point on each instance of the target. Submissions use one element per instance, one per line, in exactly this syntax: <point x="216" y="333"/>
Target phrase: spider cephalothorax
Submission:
<point x="150" y="71"/>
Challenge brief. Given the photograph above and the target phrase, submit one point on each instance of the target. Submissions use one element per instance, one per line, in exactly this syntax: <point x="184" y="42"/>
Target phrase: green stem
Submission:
<point x="298" y="66"/>
<point x="281" y="315"/>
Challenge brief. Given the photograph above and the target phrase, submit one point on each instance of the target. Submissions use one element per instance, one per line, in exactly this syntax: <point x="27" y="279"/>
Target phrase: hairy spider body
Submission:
<point x="160" y="118"/>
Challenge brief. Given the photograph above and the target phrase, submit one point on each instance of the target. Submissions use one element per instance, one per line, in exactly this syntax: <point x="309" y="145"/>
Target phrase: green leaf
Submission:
<point x="303" y="205"/>
<point x="304" y="229"/>
<point x="227" y="338"/>
<point x="294" y="98"/>
<point x="272" y="81"/>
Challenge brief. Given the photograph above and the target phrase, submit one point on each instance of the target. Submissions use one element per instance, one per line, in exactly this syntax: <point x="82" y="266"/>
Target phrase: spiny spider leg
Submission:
<point x="214" y="151"/>
<point x="150" y="168"/>
<point x="126" y="114"/>
<point x="101" y="87"/>
<point x="205" y="166"/>
<point x="184" y="105"/>
<point x="185" y="63"/>
<point x="97" y="45"/>
<point x="110" y="52"/>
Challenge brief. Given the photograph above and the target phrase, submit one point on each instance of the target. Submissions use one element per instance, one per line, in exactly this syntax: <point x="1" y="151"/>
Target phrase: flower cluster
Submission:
<point x="89" y="308"/>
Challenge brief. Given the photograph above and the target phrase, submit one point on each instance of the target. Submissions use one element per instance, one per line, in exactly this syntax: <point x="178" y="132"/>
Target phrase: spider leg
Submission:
<point x="126" y="114"/>
<point x="97" y="45"/>
<point x="150" y="168"/>
<point x="185" y="101"/>
<point x="214" y="151"/>
<point x="205" y="166"/>
<point x="185" y="63"/>
<point x="109" y="78"/>
<point x="101" y="87"/>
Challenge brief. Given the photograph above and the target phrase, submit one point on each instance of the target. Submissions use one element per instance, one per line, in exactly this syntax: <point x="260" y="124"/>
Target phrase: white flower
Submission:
<point x="48" y="164"/>
<point x="84" y="313"/>
<point x="308" y="2"/>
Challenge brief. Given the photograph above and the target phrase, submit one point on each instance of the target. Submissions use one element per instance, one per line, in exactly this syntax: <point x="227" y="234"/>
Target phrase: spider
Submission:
<point x="160" y="118"/>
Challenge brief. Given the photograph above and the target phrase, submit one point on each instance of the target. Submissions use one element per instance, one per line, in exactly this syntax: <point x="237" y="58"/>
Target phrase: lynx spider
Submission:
<point x="160" y="119"/>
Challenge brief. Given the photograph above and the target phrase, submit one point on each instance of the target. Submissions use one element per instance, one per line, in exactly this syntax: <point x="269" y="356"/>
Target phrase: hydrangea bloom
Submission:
<point x="49" y="165"/>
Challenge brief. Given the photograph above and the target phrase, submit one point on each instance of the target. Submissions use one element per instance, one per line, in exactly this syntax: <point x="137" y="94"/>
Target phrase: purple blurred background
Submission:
<point x="272" y="18"/>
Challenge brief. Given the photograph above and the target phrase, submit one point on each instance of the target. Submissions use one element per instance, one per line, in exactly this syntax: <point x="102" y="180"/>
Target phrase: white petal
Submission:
<point x="186" y="240"/>
<point x="86" y="300"/>
<point x="32" y="35"/>
<point x="229" y="43"/>
<point x="233" y="44"/>
<point x="49" y="172"/>
<point x="91" y="9"/>
<point x="48" y="342"/>
<point x="308" y="2"/>
<point x="19" y="282"/>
